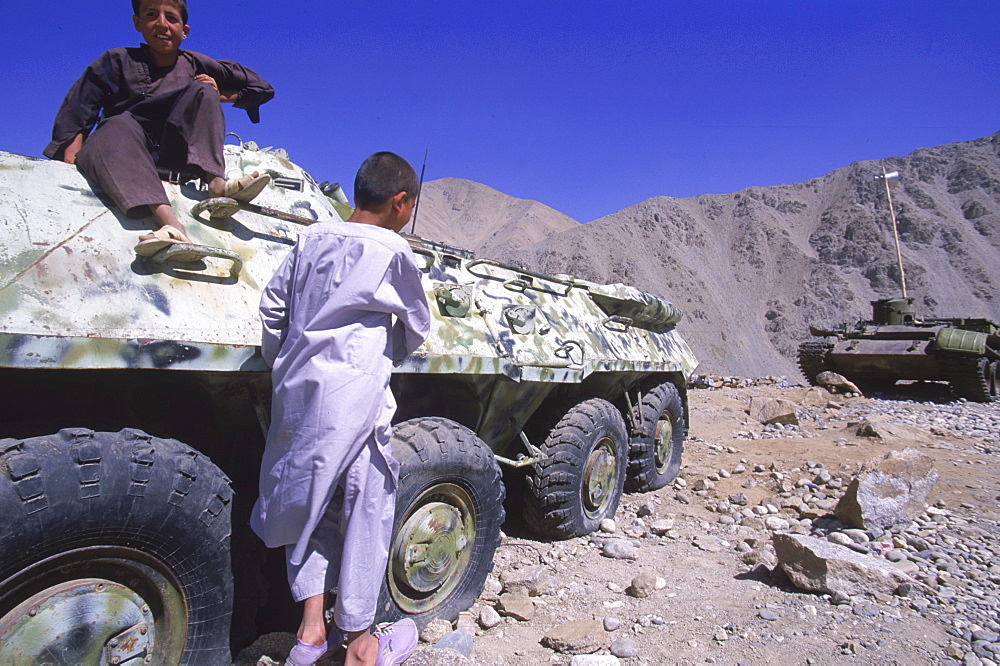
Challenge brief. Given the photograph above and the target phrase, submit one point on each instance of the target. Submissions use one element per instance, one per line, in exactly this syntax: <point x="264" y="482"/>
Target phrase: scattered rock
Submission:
<point x="466" y="620"/>
<point x="516" y="605"/>
<point x="488" y="617"/>
<point x="619" y="549"/>
<point x="815" y="397"/>
<point x="773" y="410"/>
<point x="459" y="640"/>
<point x="774" y="523"/>
<point x="739" y="499"/>
<point x="577" y="637"/>
<point x="492" y="589"/>
<point x="594" y="660"/>
<point x="435" y="631"/>
<point x="625" y="647"/>
<point x="533" y="581"/>
<point x="642" y="586"/>
<point x="889" y="491"/>
<point x="661" y="526"/>
<point x="703" y="484"/>
<point x="839" y="538"/>
<point x="887" y="431"/>
<point x="820" y="566"/>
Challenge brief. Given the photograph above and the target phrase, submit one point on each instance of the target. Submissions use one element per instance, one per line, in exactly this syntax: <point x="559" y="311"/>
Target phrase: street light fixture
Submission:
<point x="885" y="178"/>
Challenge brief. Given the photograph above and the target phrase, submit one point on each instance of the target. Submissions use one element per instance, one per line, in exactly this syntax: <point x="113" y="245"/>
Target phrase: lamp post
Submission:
<point x="885" y="178"/>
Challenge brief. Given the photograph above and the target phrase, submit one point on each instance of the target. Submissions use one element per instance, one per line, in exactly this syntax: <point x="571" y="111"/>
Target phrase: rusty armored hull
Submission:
<point x="898" y="345"/>
<point x="133" y="402"/>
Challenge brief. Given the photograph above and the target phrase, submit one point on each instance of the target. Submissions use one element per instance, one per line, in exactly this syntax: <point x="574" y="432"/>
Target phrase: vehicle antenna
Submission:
<point x="885" y="178"/>
<point x="416" y="206"/>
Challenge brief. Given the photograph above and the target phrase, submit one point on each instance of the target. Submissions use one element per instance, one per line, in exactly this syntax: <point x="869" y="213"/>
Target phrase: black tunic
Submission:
<point x="121" y="77"/>
<point x="147" y="116"/>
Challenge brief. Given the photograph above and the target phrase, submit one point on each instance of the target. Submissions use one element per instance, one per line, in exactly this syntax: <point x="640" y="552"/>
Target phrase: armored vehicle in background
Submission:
<point x="896" y="344"/>
<point x="134" y="401"/>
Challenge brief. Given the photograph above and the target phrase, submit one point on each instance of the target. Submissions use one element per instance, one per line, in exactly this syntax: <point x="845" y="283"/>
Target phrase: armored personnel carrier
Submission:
<point x="133" y="402"/>
<point x="896" y="344"/>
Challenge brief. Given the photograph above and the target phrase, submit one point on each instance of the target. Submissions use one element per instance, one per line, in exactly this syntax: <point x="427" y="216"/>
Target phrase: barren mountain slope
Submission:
<point x="474" y="216"/>
<point x="752" y="269"/>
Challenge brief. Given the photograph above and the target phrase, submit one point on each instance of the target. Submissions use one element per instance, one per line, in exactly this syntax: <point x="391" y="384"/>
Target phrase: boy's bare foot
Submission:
<point x="164" y="215"/>
<point x="151" y="243"/>
<point x="362" y="649"/>
<point x="312" y="634"/>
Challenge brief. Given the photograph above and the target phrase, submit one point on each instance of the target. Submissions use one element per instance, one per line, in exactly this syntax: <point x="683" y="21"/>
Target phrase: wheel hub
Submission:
<point x="662" y="443"/>
<point x="432" y="548"/>
<point x="84" y="607"/>
<point x="600" y="475"/>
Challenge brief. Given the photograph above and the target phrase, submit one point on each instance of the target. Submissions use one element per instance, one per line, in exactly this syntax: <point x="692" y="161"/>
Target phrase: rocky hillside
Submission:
<point x="753" y="268"/>
<point x="477" y="217"/>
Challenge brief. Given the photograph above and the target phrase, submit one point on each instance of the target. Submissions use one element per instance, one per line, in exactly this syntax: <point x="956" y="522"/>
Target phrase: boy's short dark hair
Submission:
<point x="382" y="176"/>
<point x="181" y="4"/>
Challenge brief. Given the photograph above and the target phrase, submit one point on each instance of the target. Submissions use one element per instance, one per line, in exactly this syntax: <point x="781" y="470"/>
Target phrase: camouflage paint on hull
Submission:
<point x="73" y="294"/>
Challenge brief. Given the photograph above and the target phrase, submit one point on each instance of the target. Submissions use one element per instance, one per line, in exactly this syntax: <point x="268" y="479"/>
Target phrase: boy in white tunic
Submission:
<point x="328" y="479"/>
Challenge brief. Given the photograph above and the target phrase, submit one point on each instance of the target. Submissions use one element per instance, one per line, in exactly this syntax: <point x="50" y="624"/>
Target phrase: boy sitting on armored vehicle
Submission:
<point x="156" y="106"/>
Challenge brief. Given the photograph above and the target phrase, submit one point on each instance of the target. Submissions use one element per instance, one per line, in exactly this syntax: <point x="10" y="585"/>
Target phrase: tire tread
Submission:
<point x="553" y="507"/>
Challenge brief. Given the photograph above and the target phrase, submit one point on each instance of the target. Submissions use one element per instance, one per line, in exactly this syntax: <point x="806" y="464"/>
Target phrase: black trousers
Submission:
<point x="181" y="130"/>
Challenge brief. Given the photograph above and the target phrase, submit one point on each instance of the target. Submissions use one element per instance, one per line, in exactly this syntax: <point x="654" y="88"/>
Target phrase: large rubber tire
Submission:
<point x="449" y="509"/>
<point x="113" y="545"/>
<point x="580" y="481"/>
<point x="656" y="446"/>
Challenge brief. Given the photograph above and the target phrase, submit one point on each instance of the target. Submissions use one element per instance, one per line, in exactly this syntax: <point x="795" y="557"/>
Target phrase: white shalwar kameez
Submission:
<point x="329" y="337"/>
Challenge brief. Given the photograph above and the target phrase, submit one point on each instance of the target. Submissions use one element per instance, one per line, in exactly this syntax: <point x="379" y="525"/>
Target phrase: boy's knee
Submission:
<point x="123" y="122"/>
<point x="203" y="91"/>
<point x="114" y="132"/>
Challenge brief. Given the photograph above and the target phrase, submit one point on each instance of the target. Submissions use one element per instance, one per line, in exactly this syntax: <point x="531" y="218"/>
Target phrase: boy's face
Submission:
<point x="161" y="26"/>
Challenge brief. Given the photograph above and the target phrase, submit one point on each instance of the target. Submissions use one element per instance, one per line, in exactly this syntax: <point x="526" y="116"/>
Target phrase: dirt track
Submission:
<point x="723" y="602"/>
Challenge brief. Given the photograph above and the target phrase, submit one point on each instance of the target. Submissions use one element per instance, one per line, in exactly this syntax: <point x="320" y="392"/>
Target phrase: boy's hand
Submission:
<point x="223" y="96"/>
<point x="72" y="148"/>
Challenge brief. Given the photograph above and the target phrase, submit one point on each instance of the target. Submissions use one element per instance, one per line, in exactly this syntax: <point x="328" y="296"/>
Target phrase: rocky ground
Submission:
<point x="689" y="573"/>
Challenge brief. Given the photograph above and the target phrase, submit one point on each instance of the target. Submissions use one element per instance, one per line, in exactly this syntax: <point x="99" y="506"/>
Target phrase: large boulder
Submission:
<point x="837" y="383"/>
<point x="889" y="491"/>
<point x="773" y="410"/>
<point x="887" y="430"/>
<point x="818" y="565"/>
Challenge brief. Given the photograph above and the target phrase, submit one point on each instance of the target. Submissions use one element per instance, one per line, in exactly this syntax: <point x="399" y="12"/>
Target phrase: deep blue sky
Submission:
<point x="586" y="106"/>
